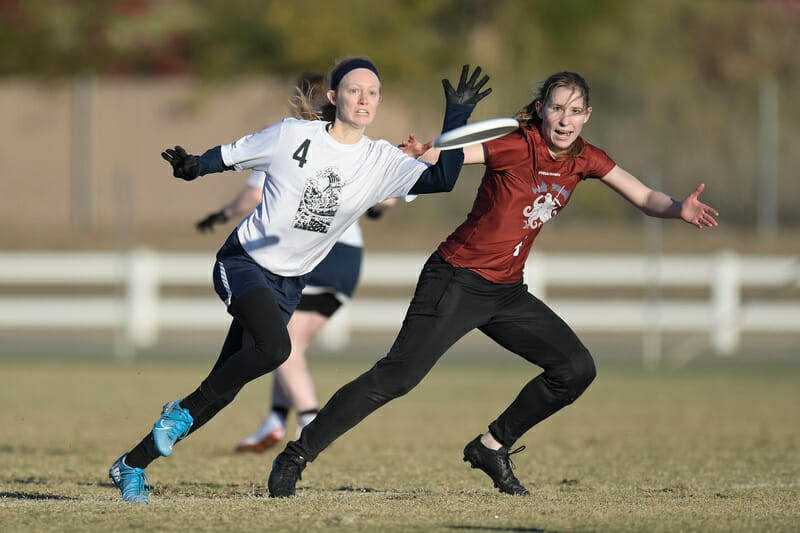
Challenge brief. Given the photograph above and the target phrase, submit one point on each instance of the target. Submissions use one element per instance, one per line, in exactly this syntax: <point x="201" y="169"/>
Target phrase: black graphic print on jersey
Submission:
<point x="321" y="199"/>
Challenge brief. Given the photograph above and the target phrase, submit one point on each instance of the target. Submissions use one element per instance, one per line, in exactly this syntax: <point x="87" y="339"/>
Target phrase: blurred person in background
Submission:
<point x="474" y="280"/>
<point x="329" y="285"/>
<point x="321" y="176"/>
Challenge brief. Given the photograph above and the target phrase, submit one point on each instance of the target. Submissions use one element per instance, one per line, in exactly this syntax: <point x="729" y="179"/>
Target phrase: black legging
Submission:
<point x="447" y="304"/>
<point x="257" y="343"/>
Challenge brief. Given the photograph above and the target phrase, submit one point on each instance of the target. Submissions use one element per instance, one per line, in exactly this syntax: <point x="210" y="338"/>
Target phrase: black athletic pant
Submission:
<point x="257" y="343"/>
<point x="447" y="304"/>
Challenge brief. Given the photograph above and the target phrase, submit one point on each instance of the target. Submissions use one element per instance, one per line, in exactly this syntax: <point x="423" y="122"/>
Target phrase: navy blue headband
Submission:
<point x="353" y="64"/>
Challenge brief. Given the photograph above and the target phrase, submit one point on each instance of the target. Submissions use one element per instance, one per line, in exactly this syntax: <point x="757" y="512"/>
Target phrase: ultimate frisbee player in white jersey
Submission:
<point x="320" y="177"/>
<point x="330" y="285"/>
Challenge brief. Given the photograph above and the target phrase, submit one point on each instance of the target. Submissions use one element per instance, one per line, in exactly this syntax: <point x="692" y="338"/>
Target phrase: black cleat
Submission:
<point x="496" y="464"/>
<point x="285" y="474"/>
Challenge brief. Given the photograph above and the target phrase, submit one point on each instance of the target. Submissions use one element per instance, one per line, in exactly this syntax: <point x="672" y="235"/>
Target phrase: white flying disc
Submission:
<point x="477" y="132"/>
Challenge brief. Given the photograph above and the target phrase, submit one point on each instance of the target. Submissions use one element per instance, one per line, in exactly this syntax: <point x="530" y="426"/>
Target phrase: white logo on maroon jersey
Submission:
<point x="545" y="206"/>
<point x="543" y="209"/>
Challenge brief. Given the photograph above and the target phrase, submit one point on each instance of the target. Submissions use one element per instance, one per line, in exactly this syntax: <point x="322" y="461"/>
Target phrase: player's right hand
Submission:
<point x="468" y="91"/>
<point x="184" y="166"/>
<point x="413" y="147"/>
<point x="207" y="224"/>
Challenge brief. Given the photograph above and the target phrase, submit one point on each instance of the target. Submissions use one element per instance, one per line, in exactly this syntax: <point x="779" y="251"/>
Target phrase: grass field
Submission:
<point x="696" y="449"/>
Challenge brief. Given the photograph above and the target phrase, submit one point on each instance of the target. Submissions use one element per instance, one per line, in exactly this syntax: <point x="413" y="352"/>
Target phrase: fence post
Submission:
<point x="141" y="298"/>
<point x="726" y="303"/>
<point x="536" y="275"/>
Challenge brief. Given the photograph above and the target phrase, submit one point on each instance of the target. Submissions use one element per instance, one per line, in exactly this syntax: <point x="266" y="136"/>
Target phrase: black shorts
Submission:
<point x="333" y="281"/>
<point x="236" y="273"/>
<point x="324" y="303"/>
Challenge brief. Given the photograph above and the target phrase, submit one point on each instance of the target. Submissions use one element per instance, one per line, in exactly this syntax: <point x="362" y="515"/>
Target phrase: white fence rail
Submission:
<point x="126" y="292"/>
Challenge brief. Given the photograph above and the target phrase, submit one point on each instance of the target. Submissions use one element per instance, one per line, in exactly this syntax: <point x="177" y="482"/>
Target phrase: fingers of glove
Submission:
<point x="463" y="80"/>
<point x="481" y="96"/>
<point x="206" y="223"/>
<point x="169" y="157"/>
<point x="478" y="86"/>
<point x="475" y="74"/>
<point x="174" y="156"/>
<point x="449" y="92"/>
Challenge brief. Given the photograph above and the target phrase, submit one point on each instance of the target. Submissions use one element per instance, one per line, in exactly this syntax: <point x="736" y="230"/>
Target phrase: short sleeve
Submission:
<point x="401" y="173"/>
<point x="503" y="153"/>
<point x="253" y="151"/>
<point x="598" y="163"/>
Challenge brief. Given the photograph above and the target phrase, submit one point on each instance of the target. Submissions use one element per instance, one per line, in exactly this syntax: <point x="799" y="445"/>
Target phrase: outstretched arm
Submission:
<point x="442" y="176"/>
<point x="658" y="204"/>
<point x="473" y="153"/>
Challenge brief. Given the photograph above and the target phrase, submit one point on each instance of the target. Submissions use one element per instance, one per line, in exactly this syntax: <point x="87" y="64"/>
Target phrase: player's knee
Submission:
<point x="582" y="373"/>
<point x="568" y="379"/>
<point x="392" y="383"/>
<point x="283" y="348"/>
<point x="274" y="351"/>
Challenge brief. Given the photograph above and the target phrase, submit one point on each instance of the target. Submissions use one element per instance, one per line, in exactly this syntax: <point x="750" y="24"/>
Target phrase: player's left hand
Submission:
<point x="413" y="147"/>
<point x="696" y="212"/>
<point x="468" y="90"/>
<point x="184" y="166"/>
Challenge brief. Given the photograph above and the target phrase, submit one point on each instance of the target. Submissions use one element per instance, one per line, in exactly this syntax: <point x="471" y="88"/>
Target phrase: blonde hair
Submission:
<point x="308" y="97"/>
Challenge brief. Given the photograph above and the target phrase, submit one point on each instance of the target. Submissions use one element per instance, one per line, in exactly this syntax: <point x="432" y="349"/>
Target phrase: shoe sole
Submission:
<point x="259" y="447"/>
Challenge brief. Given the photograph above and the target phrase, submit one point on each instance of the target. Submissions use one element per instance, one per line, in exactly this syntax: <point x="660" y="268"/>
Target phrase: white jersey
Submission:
<point x="352" y="236"/>
<point x="314" y="189"/>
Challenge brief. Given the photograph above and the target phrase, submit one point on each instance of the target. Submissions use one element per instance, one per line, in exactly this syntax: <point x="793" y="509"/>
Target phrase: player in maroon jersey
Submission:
<point x="475" y="280"/>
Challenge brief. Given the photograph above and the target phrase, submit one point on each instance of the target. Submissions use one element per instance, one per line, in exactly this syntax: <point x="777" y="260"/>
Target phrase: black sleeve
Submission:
<point x="211" y="161"/>
<point x="442" y="176"/>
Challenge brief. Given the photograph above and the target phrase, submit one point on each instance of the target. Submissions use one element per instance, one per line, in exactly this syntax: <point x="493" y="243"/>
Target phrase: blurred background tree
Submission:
<point x="675" y="83"/>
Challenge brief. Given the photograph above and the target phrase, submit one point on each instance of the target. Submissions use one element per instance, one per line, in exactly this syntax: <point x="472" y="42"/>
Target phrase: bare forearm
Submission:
<point x="431" y="156"/>
<point x="247" y="200"/>
<point x="658" y="204"/>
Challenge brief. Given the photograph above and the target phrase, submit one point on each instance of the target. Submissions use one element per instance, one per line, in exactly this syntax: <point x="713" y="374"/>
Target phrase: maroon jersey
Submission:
<point x="523" y="188"/>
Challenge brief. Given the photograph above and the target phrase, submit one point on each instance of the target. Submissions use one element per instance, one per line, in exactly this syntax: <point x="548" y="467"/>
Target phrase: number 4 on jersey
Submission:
<point x="300" y="155"/>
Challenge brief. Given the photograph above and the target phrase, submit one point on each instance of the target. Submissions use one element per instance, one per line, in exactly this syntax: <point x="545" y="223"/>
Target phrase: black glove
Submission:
<point x="467" y="92"/>
<point x="207" y="224"/>
<point x="374" y="213"/>
<point x="184" y="166"/>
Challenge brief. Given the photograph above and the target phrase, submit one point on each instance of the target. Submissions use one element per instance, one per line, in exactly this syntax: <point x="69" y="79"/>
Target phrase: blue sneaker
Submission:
<point x="132" y="482"/>
<point x="173" y="425"/>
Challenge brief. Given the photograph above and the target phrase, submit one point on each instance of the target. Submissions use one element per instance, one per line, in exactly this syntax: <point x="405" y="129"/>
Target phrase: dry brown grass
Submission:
<point x="712" y="449"/>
